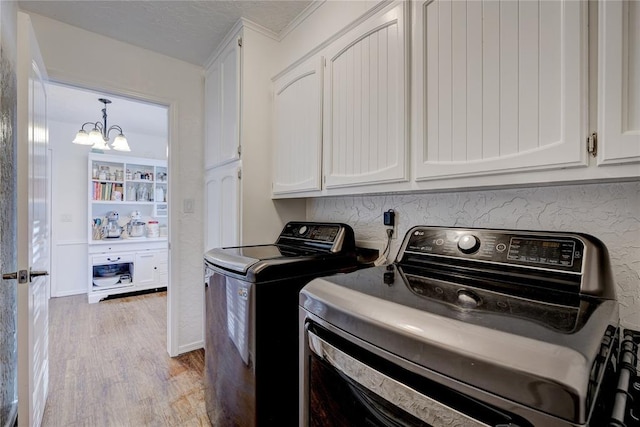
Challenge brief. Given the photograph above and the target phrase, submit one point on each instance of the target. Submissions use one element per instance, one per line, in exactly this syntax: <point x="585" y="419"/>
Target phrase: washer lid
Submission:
<point x="241" y="258"/>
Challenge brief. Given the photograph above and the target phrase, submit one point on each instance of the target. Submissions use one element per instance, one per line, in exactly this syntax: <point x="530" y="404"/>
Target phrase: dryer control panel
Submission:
<point x="334" y="237"/>
<point x="520" y="254"/>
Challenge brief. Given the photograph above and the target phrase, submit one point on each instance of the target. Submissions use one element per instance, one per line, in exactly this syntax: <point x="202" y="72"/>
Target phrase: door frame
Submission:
<point x="173" y="224"/>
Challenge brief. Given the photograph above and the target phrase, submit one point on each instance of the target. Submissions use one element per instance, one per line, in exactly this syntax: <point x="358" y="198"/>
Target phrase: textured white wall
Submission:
<point x="610" y="212"/>
<point x="85" y="59"/>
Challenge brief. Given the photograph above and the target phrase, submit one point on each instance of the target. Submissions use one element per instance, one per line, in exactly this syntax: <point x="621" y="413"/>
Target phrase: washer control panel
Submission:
<point x="334" y="237"/>
<point x="558" y="251"/>
<point x="318" y="232"/>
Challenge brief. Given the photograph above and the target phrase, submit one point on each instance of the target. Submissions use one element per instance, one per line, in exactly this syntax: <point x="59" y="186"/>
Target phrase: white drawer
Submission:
<point x="112" y="259"/>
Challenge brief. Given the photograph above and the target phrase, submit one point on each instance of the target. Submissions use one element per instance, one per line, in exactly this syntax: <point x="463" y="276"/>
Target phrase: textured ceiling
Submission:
<point x="185" y="29"/>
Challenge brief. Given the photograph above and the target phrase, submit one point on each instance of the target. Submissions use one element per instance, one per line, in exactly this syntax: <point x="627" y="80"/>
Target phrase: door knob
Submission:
<point x="33" y="274"/>
<point x="20" y="275"/>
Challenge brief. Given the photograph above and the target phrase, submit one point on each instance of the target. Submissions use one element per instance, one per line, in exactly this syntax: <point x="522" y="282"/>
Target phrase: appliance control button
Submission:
<point x="302" y="230"/>
<point x="468" y="243"/>
<point x="467" y="299"/>
<point x="501" y="247"/>
<point x="388" y="277"/>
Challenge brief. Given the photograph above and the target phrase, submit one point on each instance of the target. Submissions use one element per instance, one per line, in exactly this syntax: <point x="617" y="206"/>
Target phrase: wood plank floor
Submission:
<point x="109" y="366"/>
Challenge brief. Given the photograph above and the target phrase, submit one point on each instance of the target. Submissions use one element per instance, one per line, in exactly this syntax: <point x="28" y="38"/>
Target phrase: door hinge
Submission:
<point x="324" y="179"/>
<point x="592" y="144"/>
<point x="240" y="42"/>
<point x="239" y="150"/>
<point x="239" y="173"/>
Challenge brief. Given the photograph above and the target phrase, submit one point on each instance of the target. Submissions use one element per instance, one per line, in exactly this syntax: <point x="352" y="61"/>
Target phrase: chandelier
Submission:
<point x="99" y="135"/>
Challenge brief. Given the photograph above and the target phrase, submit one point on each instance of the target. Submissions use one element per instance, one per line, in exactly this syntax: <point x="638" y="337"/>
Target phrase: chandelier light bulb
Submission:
<point x="101" y="144"/>
<point x="120" y="143"/>
<point x="82" y="138"/>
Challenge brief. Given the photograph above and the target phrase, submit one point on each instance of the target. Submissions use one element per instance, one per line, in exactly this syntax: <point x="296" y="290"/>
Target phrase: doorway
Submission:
<point x="145" y="126"/>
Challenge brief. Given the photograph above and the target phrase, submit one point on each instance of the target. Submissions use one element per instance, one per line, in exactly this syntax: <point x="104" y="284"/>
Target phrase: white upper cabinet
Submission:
<point x="619" y="82"/>
<point x="222" y="106"/>
<point x="365" y="92"/>
<point x="298" y="129"/>
<point x="499" y="86"/>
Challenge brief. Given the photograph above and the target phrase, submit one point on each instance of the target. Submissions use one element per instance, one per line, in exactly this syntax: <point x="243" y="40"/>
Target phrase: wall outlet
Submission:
<point x="390" y="221"/>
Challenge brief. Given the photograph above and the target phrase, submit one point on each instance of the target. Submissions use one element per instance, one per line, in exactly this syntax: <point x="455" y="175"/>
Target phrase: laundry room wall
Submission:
<point x="610" y="212"/>
<point x="78" y="57"/>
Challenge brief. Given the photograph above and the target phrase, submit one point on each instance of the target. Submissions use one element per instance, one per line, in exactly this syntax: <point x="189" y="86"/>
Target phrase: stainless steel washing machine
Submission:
<point x="471" y="327"/>
<point x="251" y="343"/>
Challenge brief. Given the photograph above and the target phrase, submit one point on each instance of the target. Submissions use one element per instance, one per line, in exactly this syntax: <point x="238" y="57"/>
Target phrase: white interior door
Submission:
<point x="33" y="228"/>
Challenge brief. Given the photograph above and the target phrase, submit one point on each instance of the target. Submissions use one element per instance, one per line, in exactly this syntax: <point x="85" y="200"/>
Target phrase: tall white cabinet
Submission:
<point x="238" y="122"/>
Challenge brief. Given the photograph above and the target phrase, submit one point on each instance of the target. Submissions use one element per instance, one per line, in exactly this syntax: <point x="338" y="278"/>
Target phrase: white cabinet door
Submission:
<point x="213" y="116"/>
<point x="500" y="86"/>
<point x="365" y="92"/>
<point x="298" y="129"/>
<point x="222" y="106"/>
<point x="222" y="216"/>
<point x="619" y="82"/>
<point x="144" y="268"/>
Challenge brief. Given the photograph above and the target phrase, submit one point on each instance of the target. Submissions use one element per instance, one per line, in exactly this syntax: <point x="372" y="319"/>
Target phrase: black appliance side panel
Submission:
<point x="265" y="392"/>
<point x="229" y="382"/>
<point x="277" y="351"/>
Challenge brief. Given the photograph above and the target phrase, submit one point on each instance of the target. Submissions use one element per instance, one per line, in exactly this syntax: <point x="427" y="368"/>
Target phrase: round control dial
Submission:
<point x="468" y="243"/>
<point x="303" y="230"/>
<point x="467" y="299"/>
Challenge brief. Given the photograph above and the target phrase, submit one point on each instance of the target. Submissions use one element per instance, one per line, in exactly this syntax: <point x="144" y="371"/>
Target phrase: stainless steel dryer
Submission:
<point x="251" y="343"/>
<point x="471" y="327"/>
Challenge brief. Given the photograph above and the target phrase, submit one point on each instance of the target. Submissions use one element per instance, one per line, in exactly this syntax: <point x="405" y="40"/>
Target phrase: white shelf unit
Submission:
<point x="124" y="185"/>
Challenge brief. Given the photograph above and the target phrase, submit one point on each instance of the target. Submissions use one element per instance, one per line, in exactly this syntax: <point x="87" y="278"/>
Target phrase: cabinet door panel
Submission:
<point x="144" y="269"/>
<point x="213" y="116"/>
<point x="619" y="82"/>
<point x="499" y="86"/>
<point x="298" y="129"/>
<point x="222" y="207"/>
<point x="222" y="107"/>
<point x="364" y="105"/>
<point x="230" y="68"/>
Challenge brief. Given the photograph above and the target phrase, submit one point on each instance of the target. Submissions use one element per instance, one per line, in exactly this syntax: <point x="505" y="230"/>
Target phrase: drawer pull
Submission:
<point x="113" y="260"/>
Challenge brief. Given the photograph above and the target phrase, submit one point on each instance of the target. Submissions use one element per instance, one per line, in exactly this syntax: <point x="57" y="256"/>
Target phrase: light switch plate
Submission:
<point x="187" y="205"/>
